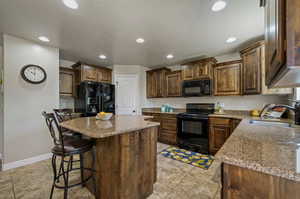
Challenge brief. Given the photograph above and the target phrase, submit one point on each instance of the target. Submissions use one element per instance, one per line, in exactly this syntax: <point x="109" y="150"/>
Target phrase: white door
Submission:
<point x="126" y="94"/>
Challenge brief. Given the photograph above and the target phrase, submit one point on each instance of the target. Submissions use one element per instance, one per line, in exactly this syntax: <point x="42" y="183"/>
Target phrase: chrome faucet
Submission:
<point x="296" y="110"/>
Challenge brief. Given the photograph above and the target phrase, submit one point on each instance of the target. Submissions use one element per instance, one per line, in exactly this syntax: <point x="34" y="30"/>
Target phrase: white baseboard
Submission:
<point x="27" y="161"/>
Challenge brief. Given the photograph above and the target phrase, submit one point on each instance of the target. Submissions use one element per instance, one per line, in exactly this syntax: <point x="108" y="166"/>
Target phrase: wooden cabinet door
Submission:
<point x="235" y="123"/>
<point x="66" y="82"/>
<point x="188" y="72"/>
<point x="227" y="80"/>
<point x="251" y="72"/>
<point x="160" y="86"/>
<point x="156" y="83"/>
<point x="104" y="75"/>
<point x="151" y="84"/>
<point x="275" y="37"/>
<point x="89" y="73"/>
<point x="217" y="137"/>
<point x="201" y="70"/>
<point x="173" y="85"/>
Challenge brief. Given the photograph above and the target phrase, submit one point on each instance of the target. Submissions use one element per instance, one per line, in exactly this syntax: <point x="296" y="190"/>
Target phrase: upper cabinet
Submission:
<point x="201" y="69"/>
<point x="86" y="72"/>
<point x="227" y="78"/>
<point x="251" y="71"/>
<point x="104" y="75"/>
<point x="66" y="82"/>
<point x="156" y="83"/>
<point x="173" y="87"/>
<point x="282" y="29"/>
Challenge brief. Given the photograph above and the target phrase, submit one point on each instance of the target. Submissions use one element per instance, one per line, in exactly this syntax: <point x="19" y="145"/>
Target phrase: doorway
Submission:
<point x="126" y="94"/>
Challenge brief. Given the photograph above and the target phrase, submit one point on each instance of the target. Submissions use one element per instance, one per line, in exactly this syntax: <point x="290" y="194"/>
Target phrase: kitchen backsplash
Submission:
<point x="230" y="102"/>
<point x="66" y="102"/>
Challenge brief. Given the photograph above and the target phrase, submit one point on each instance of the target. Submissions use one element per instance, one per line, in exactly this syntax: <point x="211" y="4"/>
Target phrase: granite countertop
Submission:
<point x="269" y="149"/>
<point x="119" y="124"/>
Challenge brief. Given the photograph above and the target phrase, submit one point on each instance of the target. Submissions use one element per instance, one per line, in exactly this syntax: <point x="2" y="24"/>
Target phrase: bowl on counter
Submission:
<point x="104" y="117"/>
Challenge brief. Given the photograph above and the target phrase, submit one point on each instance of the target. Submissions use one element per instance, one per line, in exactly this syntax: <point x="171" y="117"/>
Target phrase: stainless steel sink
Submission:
<point x="269" y="123"/>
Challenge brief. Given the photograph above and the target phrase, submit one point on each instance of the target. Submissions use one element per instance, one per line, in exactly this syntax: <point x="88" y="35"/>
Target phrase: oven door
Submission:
<point x="196" y="88"/>
<point x="193" y="134"/>
<point x="192" y="128"/>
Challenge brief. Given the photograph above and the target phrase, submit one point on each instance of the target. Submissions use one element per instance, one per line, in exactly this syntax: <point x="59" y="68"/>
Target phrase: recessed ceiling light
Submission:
<point x="231" y="40"/>
<point x="140" y="40"/>
<point x="170" y="56"/>
<point x="218" y="5"/>
<point x="71" y="4"/>
<point x="102" y="57"/>
<point x="44" y="39"/>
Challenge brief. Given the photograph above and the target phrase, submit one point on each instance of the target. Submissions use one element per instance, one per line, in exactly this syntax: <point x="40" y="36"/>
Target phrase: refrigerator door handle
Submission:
<point x="102" y="103"/>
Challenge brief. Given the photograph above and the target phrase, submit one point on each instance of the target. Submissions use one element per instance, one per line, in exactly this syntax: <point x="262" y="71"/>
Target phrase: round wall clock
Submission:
<point x="33" y="74"/>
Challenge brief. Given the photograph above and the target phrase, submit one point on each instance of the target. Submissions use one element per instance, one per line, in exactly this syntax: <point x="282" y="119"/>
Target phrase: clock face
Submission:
<point x="33" y="74"/>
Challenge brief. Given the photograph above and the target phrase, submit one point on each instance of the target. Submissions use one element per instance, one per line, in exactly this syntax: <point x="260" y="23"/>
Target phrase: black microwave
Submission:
<point x="197" y="88"/>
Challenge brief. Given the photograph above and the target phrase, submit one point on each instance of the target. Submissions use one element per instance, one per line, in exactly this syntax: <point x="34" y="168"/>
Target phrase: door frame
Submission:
<point x="137" y="100"/>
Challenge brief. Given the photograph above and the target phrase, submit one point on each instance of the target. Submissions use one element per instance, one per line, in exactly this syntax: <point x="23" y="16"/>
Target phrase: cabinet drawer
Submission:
<point x="169" y="124"/>
<point x="169" y="137"/>
<point x="219" y="121"/>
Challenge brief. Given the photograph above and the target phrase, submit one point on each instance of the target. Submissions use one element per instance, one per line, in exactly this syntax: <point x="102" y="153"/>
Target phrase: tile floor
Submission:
<point x="175" y="180"/>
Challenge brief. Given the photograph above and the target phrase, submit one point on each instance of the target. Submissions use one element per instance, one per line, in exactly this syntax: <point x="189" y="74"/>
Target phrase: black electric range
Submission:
<point x="193" y="127"/>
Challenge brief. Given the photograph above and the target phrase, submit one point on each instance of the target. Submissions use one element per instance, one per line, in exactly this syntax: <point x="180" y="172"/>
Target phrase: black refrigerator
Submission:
<point x="94" y="97"/>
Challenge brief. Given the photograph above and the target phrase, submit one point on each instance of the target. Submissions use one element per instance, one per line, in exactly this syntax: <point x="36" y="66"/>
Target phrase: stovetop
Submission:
<point x="198" y="110"/>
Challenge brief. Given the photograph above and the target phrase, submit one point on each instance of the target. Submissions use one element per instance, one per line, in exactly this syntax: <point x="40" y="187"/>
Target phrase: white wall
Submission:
<point x="66" y="63"/>
<point x="231" y="102"/>
<point x="25" y="131"/>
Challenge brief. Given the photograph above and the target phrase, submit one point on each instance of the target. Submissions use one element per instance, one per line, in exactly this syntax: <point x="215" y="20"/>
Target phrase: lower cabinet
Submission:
<point x="241" y="183"/>
<point x="219" y="131"/>
<point x="168" y="127"/>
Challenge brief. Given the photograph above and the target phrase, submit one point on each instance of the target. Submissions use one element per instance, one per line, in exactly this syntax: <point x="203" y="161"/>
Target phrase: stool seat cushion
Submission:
<point x="73" y="146"/>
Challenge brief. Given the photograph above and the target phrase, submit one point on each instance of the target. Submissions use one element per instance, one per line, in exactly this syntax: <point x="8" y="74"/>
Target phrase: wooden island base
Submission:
<point x="125" y="165"/>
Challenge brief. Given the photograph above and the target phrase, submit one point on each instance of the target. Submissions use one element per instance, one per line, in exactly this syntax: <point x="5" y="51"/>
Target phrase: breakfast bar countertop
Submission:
<point x="119" y="124"/>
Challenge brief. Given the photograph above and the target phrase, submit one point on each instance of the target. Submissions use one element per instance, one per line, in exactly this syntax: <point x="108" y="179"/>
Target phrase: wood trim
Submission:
<point x="253" y="46"/>
<point x="209" y="59"/>
<point x="229" y="63"/>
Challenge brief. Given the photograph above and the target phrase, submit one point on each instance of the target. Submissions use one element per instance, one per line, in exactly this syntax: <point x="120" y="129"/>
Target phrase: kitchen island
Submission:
<point x="125" y="155"/>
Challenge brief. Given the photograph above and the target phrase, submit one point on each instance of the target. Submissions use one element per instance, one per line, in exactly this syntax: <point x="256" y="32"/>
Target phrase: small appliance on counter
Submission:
<point x="219" y="109"/>
<point x="167" y="108"/>
<point x="192" y="127"/>
<point x="94" y="97"/>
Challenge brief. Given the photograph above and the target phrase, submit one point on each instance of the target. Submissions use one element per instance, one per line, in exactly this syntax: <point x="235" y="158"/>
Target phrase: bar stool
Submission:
<point x="65" y="115"/>
<point x="66" y="146"/>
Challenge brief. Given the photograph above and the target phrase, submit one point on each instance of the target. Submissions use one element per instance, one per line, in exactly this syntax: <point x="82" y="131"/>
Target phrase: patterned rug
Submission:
<point x="189" y="157"/>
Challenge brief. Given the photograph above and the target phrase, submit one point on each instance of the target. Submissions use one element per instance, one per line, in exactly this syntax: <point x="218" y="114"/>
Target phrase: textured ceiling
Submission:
<point x="185" y="28"/>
